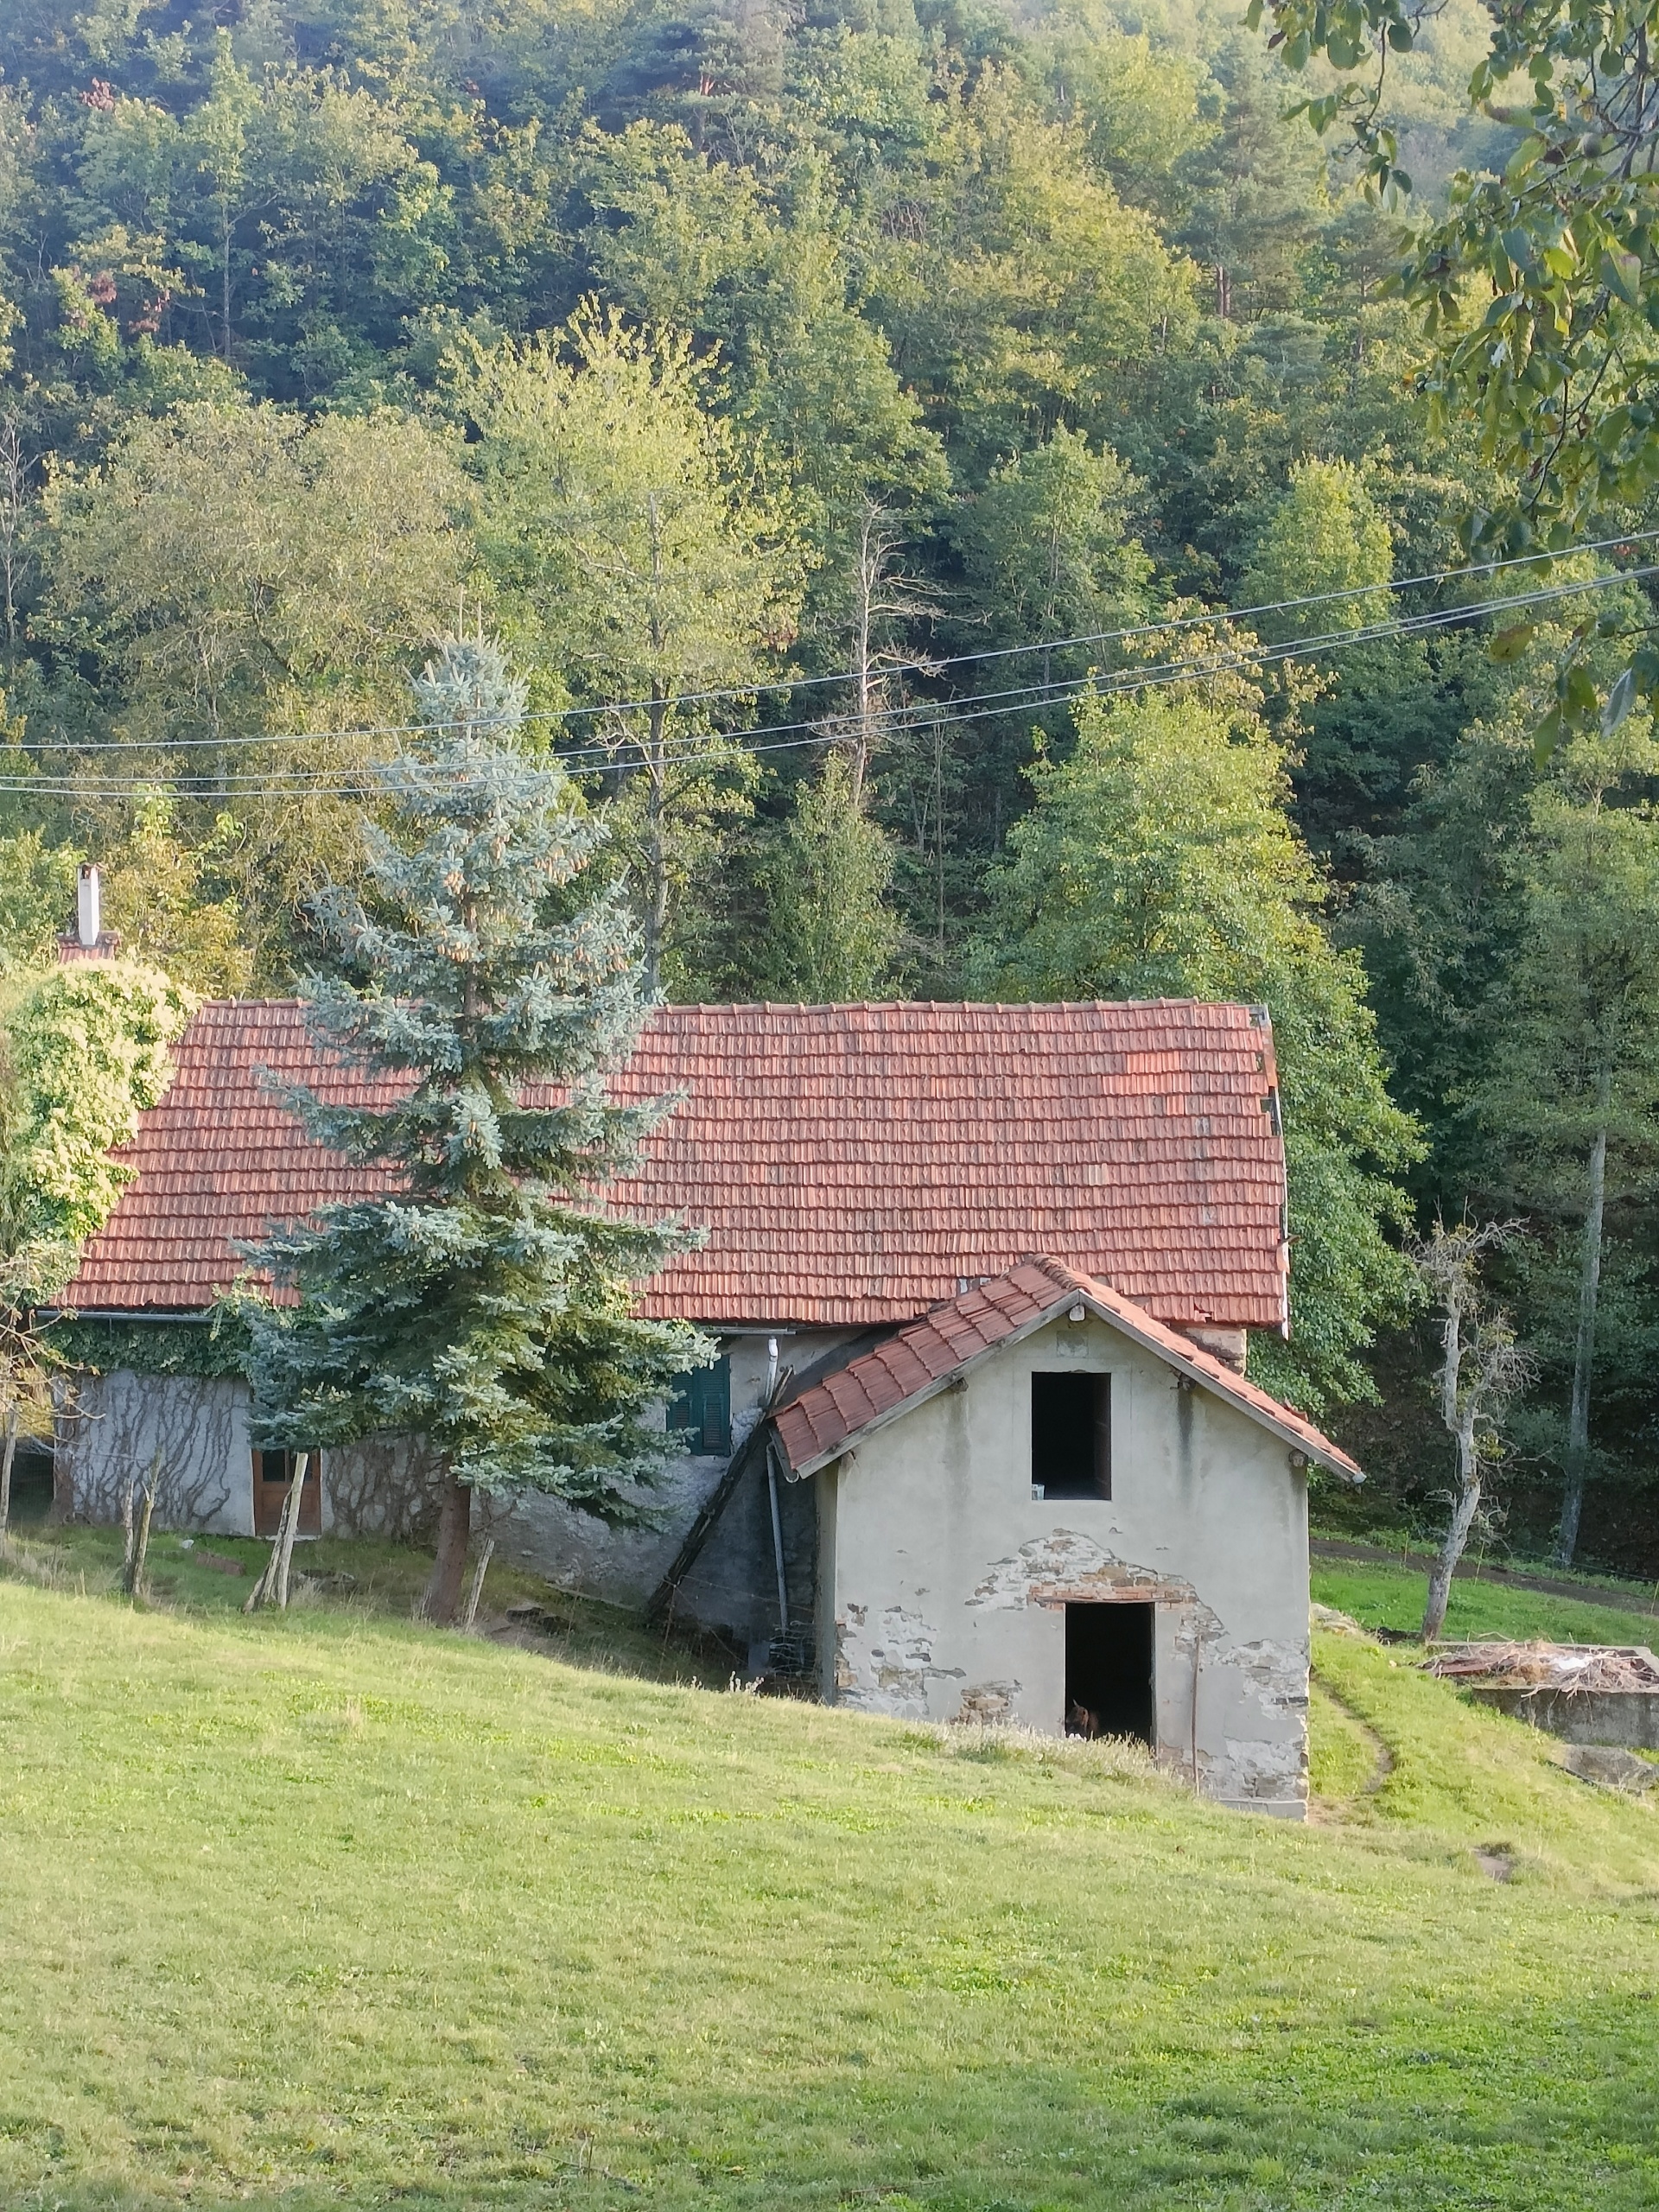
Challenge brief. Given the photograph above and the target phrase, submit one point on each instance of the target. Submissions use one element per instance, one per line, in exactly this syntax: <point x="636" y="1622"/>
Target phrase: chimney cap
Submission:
<point x="89" y="939"/>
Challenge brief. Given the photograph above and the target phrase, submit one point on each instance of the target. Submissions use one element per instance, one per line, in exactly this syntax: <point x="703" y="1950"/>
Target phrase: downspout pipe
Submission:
<point x="777" y="1538"/>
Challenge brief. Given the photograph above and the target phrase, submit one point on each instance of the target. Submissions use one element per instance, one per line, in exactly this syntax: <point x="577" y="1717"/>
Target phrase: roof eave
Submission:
<point x="1331" y="1457"/>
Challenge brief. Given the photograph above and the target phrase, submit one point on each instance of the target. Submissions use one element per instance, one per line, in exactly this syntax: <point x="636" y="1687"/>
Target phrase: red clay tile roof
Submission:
<point x="852" y="1164"/>
<point x="825" y="1420"/>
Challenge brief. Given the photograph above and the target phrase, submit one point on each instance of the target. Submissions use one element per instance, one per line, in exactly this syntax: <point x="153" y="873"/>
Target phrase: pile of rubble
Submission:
<point x="1573" y="1668"/>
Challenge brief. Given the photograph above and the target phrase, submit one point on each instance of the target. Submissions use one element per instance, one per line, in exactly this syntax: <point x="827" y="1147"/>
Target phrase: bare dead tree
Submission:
<point x="15" y="501"/>
<point x="883" y="595"/>
<point x="1483" y="1372"/>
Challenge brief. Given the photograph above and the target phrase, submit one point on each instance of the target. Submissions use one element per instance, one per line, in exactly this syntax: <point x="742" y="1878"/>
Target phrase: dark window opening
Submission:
<point x="272" y="1473"/>
<point x="1071" y="1435"/>
<point x="1109" y="1671"/>
<point x="700" y="1412"/>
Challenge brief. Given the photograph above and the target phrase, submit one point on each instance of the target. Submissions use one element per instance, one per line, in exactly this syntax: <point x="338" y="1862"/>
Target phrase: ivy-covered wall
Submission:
<point x="217" y="1344"/>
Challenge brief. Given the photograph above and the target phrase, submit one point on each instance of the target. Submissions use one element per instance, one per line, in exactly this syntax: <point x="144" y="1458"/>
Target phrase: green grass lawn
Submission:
<point x="1393" y="1597"/>
<point x="328" y="1909"/>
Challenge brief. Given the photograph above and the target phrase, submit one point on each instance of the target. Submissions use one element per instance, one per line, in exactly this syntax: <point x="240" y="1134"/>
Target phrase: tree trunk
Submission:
<point x="1577" y="1420"/>
<point x="7" y="1456"/>
<point x="656" y="887"/>
<point x="1468" y="1505"/>
<point x="443" y="1597"/>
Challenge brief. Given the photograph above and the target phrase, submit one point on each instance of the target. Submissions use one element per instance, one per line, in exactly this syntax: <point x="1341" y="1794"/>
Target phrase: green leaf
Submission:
<point x="1621" y="274"/>
<point x="1509" y="645"/>
<point x="1620" y="700"/>
<point x="1547" y="737"/>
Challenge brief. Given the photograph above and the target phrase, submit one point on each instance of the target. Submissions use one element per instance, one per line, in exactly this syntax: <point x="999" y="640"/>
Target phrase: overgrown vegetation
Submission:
<point x="817" y="405"/>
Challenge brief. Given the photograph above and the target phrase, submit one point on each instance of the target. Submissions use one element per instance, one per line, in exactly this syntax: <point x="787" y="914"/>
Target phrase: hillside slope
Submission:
<point x="325" y="1910"/>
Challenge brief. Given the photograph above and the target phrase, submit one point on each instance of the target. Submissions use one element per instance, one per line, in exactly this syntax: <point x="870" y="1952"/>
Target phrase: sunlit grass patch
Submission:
<point x="330" y="1909"/>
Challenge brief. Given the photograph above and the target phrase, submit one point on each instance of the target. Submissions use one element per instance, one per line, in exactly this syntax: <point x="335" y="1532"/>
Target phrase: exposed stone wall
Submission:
<point x="733" y="1586"/>
<point x="576" y="1551"/>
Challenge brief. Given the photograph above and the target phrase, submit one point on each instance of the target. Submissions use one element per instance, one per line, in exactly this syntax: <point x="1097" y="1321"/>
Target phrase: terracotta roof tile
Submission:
<point x="852" y="1164"/>
<point x="829" y="1418"/>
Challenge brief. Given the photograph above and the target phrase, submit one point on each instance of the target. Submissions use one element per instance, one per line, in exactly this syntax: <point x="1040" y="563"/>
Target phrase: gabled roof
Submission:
<point x="829" y="1418"/>
<point x="852" y="1164"/>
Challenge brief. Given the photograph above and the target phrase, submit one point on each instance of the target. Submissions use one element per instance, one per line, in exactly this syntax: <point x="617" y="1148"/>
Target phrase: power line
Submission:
<point x="793" y="736"/>
<point x="931" y="666"/>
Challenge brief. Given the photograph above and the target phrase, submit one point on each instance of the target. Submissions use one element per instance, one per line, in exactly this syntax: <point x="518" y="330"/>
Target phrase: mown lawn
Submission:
<point x="1393" y="1597"/>
<point x="326" y="1910"/>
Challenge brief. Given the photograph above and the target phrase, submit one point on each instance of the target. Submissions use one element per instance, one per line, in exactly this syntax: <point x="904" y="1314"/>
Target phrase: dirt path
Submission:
<point x="1625" y="1600"/>
<point x="1332" y="1810"/>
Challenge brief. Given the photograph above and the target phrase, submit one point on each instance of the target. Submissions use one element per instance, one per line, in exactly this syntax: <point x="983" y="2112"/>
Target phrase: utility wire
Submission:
<point x="931" y="666"/>
<point x="334" y="782"/>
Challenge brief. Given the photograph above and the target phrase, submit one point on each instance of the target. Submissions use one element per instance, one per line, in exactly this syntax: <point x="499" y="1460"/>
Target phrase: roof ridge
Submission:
<point x="818" y="1432"/>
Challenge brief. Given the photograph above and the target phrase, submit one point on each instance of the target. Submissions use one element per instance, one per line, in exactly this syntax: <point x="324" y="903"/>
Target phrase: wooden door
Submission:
<point x="272" y="1473"/>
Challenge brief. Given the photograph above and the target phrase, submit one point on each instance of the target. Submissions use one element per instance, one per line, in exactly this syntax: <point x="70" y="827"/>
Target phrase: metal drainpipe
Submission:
<point x="778" y="1539"/>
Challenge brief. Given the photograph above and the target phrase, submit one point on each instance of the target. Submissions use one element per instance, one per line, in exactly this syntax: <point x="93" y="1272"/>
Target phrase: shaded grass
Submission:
<point x="358" y="1579"/>
<point x="1341" y="1754"/>
<point x="1393" y="1597"/>
<point x="327" y="1910"/>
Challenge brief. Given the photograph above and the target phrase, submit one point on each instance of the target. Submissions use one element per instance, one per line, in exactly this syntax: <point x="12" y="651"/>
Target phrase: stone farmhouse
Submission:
<point x="978" y="1444"/>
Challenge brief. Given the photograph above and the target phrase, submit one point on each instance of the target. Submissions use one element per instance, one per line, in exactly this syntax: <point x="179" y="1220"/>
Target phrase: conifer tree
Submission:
<point x="484" y="1301"/>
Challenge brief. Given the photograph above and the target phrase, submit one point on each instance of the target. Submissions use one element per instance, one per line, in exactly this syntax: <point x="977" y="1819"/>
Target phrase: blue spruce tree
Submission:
<point x="485" y="1301"/>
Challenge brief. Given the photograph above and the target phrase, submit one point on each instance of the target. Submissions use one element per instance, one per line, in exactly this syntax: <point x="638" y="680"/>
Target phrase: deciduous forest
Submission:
<point x="971" y="505"/>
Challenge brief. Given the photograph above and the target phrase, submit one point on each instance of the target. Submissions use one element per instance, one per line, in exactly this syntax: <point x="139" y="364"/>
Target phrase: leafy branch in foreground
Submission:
<point x="1537" y="285"/>
<point x="83" y="1050"/>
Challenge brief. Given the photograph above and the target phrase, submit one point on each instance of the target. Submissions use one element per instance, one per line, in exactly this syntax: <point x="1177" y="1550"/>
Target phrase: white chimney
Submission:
<point x="88" y="918"/>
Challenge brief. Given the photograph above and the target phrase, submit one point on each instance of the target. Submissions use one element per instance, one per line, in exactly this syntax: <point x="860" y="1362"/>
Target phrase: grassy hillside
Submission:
<point x="1392" y="1597"/>
<point x="328" y="1909"/>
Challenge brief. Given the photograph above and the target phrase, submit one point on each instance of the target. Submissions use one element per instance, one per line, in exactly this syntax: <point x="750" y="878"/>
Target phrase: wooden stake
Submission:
<point x="290" y="1528"/>
<point x="135" y="1575"/>
<point x="265" y="1586"/>
<point x="126" y="1524"/>
<point x="477" y="1590"/>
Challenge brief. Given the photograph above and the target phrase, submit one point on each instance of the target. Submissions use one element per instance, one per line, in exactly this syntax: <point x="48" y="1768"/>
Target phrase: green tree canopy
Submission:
<point x="1323" y="536"/>
<point x="641" y="555"/>
<point x="830" y="934"/>
<point x="1571" y="1103"/>
<point x="247" y="582"/>
<point x="1158" y="861"/>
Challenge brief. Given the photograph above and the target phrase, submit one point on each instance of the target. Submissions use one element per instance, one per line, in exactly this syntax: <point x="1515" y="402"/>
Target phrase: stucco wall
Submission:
<point x="943" y="1582"/>
<point x="624" y="1565"/>
<point x="193" y="1431"/>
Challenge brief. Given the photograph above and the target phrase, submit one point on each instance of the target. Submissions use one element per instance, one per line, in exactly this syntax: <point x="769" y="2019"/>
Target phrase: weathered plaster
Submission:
<point x="191" y="1430"/>
<point x="387" y="1486"/>
<point x="942" y="1582"/>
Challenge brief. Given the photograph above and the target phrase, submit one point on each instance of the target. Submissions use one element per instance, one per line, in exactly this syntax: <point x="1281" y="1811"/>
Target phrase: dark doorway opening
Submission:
<point x="1109" y="1671"/>
<point x="31" y="1485"/>
<point x="272" y="1473"/>
<point x="1071" y="1435"/>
